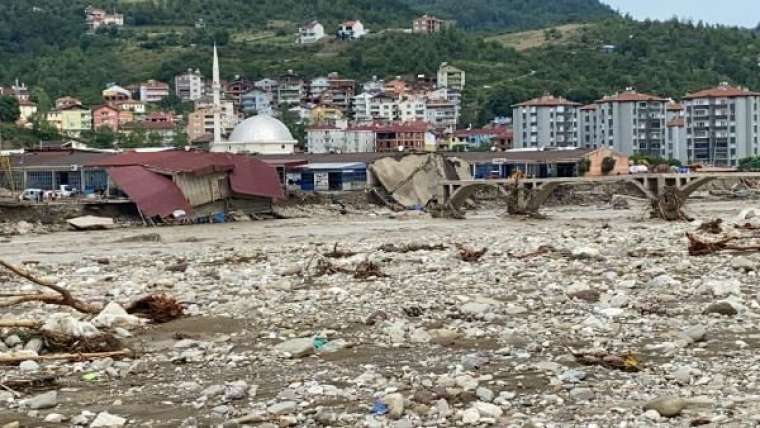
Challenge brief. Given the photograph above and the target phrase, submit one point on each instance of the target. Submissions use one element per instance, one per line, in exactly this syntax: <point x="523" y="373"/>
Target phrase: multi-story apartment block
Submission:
<point x="587" y="126"/>
<point x="115" y="93"/>
<point x="291" y="89"/>
<point x="339" y="94"/>
<point x="427" y="24"/>
<point x="721" y="125"/>
<point x="201" y="121"/>
<point x="310" y="33"/>
<point x="632" y="123"/>
<point x="451" y="77"/>
<point x="189" y="86"/>
<point x="675" y="134"/>
<point x="105" y="116"/>
<point x="71" y="120"/>
<point x="400" y="137"/>
<point x="153" y="91"/>
<point x="546" y="121"/>
<point x="256" y="102"/>
<point x="337" y="139"/>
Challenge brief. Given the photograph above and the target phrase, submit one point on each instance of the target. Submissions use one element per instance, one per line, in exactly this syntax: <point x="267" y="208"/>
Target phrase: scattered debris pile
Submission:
<point x="742" y="238"/>
<point x="413" y="181"/>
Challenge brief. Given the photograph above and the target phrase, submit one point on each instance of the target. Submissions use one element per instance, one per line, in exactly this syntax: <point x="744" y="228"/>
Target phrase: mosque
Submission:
<point x="262" y="134"/>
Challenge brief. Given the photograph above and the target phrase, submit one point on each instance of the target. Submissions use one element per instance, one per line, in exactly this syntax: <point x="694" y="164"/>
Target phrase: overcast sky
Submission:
<point x="744" y="13"/>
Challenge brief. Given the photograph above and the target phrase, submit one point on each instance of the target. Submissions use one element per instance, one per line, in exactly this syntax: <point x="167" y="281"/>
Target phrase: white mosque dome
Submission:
<point x="261" y="130"/>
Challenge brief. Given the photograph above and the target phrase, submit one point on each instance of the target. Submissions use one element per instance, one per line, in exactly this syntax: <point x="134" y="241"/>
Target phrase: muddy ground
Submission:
<point x="520" y="338"/>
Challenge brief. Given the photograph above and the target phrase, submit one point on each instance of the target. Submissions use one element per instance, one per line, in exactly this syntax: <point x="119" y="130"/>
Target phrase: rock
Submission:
<point x="466" y="382"/>
<point x="213" y="391"/>
<point x="23" y="227"/>
<point x="443" y="408"/>
<point x="34" y="344"/>
<point x="235" y="390"/>
<point x="743" y="264"/>
<point x="724" y="288"/>
<point x="107" y="420"/>
<point x="682" y="375"/>
<point x="296" y="348"/>
<point x="586" y="253"/>
<point x="5" y="396"/>
<point x="722" y="308"/>
<point x="420" y="335"/>
<point x="444" y="337"/>
<point x="14" y="424"/>
<point x="113" y="315"/>
<point x="474" y="361"/>
<point x="402" y="423"/>
<point x="572" y="376"/>
<point x="55" y="418"/>
<point x="13" y="340"/>
<point x="471" y="416"/>
<point x="282" y="408"/>
<point x="46" y="400"/>
<point x="581" y="394"/>
<point x="488" y="410"/>
<point x="591" y="296"/>
<point x="667" y="406"/>
<point x="475" y="308"/>
<point x="696" y="333"/>
<point x="29" y="366"/>
<point x="484" y="394"/>
<point x="67" y="325"/>
<point x="663" y="281"/>
<point x="395" y="403"/>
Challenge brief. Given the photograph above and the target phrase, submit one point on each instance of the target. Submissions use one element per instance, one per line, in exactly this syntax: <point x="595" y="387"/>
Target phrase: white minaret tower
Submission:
<point x="217" y="88"/>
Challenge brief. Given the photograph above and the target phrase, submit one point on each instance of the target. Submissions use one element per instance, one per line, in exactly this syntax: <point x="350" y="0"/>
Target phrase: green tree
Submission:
<point x="296" y="127"/>
<point x="9" y="109"/>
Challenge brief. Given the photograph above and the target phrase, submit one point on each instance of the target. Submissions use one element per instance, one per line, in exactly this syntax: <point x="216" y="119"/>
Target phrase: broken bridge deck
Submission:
<point x="666" y="192"/>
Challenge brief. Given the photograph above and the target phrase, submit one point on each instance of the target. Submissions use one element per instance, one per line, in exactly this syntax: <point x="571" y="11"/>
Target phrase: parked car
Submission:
<point x="65" y="191"/>
<point x="34" y="195"/>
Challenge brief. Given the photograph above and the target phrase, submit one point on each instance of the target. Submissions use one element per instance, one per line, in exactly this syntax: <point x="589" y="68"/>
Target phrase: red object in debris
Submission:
<point x="154" y="194"/>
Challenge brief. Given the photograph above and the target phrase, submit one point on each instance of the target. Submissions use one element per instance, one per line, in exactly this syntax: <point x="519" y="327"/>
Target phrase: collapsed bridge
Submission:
<point x="667" y="193"/>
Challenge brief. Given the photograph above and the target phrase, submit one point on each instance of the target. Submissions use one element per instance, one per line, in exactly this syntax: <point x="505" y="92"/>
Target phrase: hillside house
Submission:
<point x="310" y="32"/>
<point x="351" y="30"/>
<point x="96" y="18"/>
<point x="153" y="91"/>
<point x="427" y="24"/>
<point x="105" y="116"/>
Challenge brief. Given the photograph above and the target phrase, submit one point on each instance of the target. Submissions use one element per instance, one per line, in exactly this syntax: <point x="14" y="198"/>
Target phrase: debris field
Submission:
<point x="590" y="317"/>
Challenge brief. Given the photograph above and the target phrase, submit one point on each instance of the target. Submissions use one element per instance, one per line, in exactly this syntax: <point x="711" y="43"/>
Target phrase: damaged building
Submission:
<point x="199" y="184"/>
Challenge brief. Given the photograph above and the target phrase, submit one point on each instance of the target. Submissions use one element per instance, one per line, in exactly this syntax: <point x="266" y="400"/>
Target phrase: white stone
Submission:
<point x="471" y="416"/>
<point x="488" y="410"/>
<point x="113" y="315"/>
<point x="296" y="348"/>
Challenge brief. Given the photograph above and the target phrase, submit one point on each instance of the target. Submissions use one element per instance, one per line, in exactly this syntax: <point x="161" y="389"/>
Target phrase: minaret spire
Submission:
<point x="217" y="87"/>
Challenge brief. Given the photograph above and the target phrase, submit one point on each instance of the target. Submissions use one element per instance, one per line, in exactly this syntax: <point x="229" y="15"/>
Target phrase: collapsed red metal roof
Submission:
<point x="248" y="176"/>
<point x="154" y="194"/>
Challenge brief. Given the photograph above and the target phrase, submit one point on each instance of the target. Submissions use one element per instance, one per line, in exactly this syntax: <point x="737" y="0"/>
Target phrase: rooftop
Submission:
<point x="630" y="96"/>
<point x="548" y="101"/>
<point x="722" y="91"/>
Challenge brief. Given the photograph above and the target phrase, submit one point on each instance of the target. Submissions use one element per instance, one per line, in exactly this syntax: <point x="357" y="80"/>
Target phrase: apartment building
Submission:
<point x="632" y="123"/>
<point x="587" y="126"/>
<point x="675" y="132"/>
<point x="153" y="91"/>
<point x="189" y="86"/>
<point x="340" y="139"/>
<point x="546" y="121"/>
<point x="451" y="77"/>
<point x="427" y="24"/>
<point x="721" y="125"/>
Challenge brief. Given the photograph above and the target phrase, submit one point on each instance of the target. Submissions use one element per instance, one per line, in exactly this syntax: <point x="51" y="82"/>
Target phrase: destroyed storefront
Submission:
<point x="530" y="163"/>
<point x="328" y="177"/>
<point x="193" y="184"/>
<point x="50" y="169"/>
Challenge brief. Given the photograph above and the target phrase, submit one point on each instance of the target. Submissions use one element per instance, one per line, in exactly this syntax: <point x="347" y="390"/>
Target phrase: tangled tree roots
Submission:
<point x="158" y="308"/>
<point x="63" y="343"/>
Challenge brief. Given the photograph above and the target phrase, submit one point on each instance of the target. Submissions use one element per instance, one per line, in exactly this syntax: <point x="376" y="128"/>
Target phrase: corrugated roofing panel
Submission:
<point x="154" y="194"/>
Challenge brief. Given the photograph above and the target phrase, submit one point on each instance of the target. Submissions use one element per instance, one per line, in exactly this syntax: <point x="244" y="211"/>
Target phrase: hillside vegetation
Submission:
<point x="514" y="14"/>
<point x="47" y="47"/>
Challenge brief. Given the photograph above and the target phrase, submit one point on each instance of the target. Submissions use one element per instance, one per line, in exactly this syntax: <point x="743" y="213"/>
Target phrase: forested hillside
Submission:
<point x="513" y="14"/>
<point x="44" y="43"/>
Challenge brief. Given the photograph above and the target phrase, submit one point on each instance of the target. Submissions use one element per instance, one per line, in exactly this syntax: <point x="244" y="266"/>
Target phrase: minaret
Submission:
<point x="217" y="88"/>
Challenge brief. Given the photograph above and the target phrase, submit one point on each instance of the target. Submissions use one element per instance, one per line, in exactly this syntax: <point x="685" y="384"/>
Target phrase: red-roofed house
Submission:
<point x="722" y="125"/>
<point x="105" y="116"/>
<point x="351" y="30"/>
